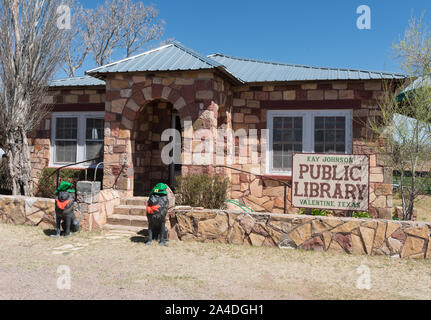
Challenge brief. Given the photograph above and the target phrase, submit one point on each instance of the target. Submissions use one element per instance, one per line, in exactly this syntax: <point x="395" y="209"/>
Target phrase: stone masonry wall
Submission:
<point x="195" y="95"/>
<point x="73" y="99"/>
<point x="32" y="211"/>
<point x="250" y="106"/>
<point x="344" y="235"/>
<point x="94" y="204"/>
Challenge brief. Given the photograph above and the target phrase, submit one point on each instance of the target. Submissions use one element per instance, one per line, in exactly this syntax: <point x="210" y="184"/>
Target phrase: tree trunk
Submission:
<point x="18" y="153"/>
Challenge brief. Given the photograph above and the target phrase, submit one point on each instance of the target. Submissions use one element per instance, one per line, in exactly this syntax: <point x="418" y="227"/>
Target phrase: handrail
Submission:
<point x="285" y="184"/>
<point x="69" y="165"/>
<point x="103" y="162"/>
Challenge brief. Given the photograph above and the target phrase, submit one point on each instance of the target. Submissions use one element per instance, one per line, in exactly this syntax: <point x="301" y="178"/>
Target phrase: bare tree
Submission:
<point x="119" y="25"/>
<point x="78" y="43"/>
<point x="31" y="48"/>
<point x="405" y="122"/>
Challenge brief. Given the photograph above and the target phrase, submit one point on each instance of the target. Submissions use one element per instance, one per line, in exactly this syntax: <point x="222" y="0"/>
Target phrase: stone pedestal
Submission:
<point x="87" y="197"/>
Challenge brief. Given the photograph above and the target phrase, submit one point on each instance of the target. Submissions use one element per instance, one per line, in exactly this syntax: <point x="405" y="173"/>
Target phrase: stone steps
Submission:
<point x="122" y="229"/>
<point x="130" y="210"/>
<point x="129" y="216"/>
<point x="128" y="220"/>
<point x="135" y="201"/>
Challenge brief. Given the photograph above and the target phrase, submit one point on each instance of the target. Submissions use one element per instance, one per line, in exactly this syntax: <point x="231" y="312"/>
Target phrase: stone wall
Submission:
<point x="73" y="99"/>
<point x="22" y="210"/>
<point x="345" y="235"/>
<point x="197" y="96"/>
<point x="94" y="204"/>
<point x="250" y="106"/>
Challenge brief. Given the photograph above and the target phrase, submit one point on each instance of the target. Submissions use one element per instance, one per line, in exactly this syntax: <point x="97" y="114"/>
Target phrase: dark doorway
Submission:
<point x="175" y="168"/>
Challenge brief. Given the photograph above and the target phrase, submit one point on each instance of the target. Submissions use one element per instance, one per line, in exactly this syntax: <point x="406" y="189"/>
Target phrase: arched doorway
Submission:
<point x="147" y="145"/>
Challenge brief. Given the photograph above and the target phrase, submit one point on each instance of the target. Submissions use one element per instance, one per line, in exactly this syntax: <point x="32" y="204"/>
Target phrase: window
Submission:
<point x="76" y="138"/>
<point x="306" y="131"/>
<point x="94" y="138"/>
<point x="66" y="139"/>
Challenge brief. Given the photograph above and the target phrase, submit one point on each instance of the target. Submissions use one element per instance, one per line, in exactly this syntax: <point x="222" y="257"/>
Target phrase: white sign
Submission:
<point x="333" y="182"/>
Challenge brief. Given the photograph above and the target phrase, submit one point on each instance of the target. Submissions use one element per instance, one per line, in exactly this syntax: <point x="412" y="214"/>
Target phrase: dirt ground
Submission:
<point x="108" y="265"/>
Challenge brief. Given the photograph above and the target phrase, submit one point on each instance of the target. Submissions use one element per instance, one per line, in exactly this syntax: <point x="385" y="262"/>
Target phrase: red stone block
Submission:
<point x="324" y="86"/>
<point x="157" y="91"/>
<point x="188" y="93"/>
<point x="261" y="95"/>
<point x="112" y="95"/>
<point x="83" y="99"/>
<point x="138" y="97"/>
<point x="345" y="241"/>
<point x="109" y="116"/>
<point x="301" y="95"/>
<point x="362" y="94"/>
<point x="129" y="114"/>
<point x="120" y="149"/>
<point x="399" y="235"/>
<point x="115" y="128"/>
<point x="204" y="85"/>
<point x="355" y="86"/>
<point x="313" y="244"/>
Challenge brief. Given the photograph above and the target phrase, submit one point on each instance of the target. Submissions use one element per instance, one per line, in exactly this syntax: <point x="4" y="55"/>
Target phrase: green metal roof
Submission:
<point x="171" y="57"/>
<point x="249" y="70"/>
<point x="177" y="57"/>
<point x="77" y="82"/>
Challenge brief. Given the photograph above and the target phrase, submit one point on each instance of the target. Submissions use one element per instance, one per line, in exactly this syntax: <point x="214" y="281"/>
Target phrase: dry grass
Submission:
<point x="422" y="204"/>
<point x="118" y="268"/>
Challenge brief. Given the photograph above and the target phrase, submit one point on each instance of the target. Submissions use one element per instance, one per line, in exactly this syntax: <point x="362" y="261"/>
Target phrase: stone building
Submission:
<point x="121" y="110"/>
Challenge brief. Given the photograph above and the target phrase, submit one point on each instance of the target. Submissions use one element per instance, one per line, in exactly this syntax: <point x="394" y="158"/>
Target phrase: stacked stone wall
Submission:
<point x="396" y="239"/>
<point x="250" y="107"/>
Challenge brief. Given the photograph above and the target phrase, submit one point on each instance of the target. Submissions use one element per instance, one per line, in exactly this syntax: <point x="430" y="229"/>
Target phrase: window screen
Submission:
<point x="287" y="138"/>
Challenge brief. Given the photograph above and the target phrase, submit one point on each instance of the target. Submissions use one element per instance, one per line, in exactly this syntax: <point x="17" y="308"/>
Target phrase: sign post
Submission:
<point x="330" y="181"/>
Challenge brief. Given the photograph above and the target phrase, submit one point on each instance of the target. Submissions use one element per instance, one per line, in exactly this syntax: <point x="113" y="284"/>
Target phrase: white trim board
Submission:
<point x="307" y="131"/>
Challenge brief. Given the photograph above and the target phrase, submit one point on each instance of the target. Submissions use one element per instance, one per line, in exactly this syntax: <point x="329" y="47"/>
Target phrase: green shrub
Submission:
<point x="48" y="179"/>
<point x="315" y="212"/>
<point x="362" y="214"/>
<point x="202" y="190"/>
<point x="5" y="180"/>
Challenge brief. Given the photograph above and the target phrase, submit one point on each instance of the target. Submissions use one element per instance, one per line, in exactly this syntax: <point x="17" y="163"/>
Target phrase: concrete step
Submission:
<point x="128" y="220"/>
<point x="130" y="210"/>
<point x="122" y="229"/>
<point x="135" y="201"/>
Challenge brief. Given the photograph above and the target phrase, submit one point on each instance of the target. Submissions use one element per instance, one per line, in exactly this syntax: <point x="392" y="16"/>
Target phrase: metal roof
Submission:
<point x="248" y="70"/>
<point x="177" y="57"/>
<point x="171" y="57"/>
<point x="77" y="82"/>
<point x="418" y="83"/>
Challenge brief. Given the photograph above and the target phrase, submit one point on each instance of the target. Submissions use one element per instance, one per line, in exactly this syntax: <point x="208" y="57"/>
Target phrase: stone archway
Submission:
<point x="192" y="95"/>
<point x="147" y="145"/>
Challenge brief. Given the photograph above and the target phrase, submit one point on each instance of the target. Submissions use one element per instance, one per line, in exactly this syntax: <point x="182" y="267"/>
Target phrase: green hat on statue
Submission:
<point x="159" y="188"/>
<point x="65" y="186"/>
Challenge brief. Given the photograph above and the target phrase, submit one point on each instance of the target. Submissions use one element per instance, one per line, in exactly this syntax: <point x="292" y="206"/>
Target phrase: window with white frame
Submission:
<point x="76" y="137"/>
<point x="320" y="131"/>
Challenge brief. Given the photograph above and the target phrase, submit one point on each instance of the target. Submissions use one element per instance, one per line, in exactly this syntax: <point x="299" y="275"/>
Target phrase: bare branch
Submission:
<point x="31" y="49"/>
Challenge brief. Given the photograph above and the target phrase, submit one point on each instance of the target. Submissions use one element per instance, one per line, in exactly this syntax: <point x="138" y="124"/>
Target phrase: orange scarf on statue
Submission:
<point x="62" y="205"/>
<point x="152" y="209"/>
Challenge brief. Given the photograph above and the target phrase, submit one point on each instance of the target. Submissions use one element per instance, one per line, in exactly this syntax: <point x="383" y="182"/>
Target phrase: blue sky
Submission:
<point x="307" y="32"/>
